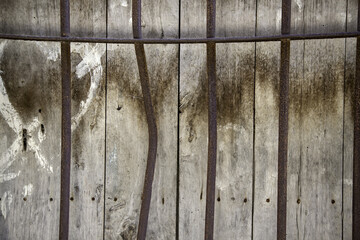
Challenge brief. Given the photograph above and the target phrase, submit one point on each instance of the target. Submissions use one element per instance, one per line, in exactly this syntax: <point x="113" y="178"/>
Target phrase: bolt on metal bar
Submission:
<point x="181" y="40"/>
<point x="151" y="121"/>
<point x="283" y="121"/>
<point x="212" y="122"/>
<point x="356" y="153"/>
<point x="65" y="121"/>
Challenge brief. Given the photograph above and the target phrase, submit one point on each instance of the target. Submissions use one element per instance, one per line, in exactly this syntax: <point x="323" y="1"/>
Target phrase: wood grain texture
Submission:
<point x="128" y="140"/>
<point x="31" y="104"/>
<point x="34" y="17"/>
<point x="88" y="141"/>
<point x="30" y="140"/>
<point x="235" y="98"/>
<point x="88" y="18"/>
<point x="266" y="139"/>
<point x="316" y="124"/>
<point x="266" y="121"/>
<point x="349" y="120"/>
<point x="127" y="136"/>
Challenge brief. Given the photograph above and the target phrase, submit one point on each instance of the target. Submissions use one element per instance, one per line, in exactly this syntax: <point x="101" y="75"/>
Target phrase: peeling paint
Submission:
<point x="8" y="176"/>
<point x="299" y="4"/>
<point x="91" y="64"/>
<point x="27" y="190"/>
<point x="14" y="121"/>
<point x="6" y="202"/>
<point x="124" y="3"/>
<point x="50" y="50"/>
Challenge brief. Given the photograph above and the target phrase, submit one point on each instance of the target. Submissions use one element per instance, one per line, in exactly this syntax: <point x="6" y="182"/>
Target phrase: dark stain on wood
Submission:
<point x="31" y="81"/>
<point x="162" y="69"/>
<point x="129" y="233"/>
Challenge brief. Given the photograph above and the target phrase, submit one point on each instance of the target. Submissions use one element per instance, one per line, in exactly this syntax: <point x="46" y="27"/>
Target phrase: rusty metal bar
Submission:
<point x="212" y="123"/>
<point x="151" y="121"/>
<point x="283" y="121"/>
<point x="356" y="156"/>
<point x="65" y="122"/>
<point x="181" y="40"/>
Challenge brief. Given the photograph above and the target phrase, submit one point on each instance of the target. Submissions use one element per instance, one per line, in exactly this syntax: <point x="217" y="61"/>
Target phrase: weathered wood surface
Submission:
<point x="127" y="136"/>
<point x="30" y="146"/>
<point x="316" y="124"/>
<point x="110" y="130"/>
<point x="88" y="18"/>
<point x="350" y="45"/>
<point x="266" y="121"/>
<point x="30" y="102"/>
<point x="235" y="96"/>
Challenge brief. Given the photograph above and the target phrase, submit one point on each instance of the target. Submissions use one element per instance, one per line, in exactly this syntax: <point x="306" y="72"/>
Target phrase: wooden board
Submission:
<point x="266" y="121"/>
<point x="127" y="136"/>
<point x="31" y="102"/>
<point x="315" y="170"/>
<point x="88" y="18"/>
<point x="349" y="120"/>
<point x="35" y="17"/>
<point x="235" y="96"/>
<point x="30" y="146"/>
<point x="88" y="140"/>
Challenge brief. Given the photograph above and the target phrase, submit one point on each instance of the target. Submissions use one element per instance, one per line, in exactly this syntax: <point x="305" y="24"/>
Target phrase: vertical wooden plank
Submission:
<point x="127" y="137"/>
<point x="88" y="140"/>
<point x="235" y="79"/>
<point x="316" y="124"/>
<point x="30" y="116"/>
<point x="266" y="121"/>
<point x="35" y="17"/>
<point x="349" y="119"/>
<point x="88" y="18"/>
<point x="30" y="106"/>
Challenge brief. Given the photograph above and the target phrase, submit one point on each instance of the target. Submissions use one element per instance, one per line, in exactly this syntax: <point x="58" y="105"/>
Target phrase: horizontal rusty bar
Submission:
<point x="182" y="40"/>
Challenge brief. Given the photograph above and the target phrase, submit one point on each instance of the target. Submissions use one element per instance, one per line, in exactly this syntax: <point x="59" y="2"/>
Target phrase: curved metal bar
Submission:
<point x="269" y="38"/>
<point x="151" y="121"/>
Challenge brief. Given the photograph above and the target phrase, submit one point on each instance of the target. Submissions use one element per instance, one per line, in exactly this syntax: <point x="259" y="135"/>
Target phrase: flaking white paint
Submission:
<point x="90" y="64"/>
<point x="6" y="202"/>
<point x="27" y="190"/>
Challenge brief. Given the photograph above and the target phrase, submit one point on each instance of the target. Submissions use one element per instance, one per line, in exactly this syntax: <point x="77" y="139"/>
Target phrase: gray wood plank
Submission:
<point x="34" y="17"/>
<point x="315" y="174"/>
<point x="349" y="120"/>
<point x="266" y="139"/>
<point x="30" y="106"/>
<point x="33" y="174"/>
<point x="88" y="18"/>
<point x="266" y="121"/>
<point x="127" y="136"/>
<point x="235" y="96"/>
<point x="88" y="141"/>
<point x="127" y="142"/>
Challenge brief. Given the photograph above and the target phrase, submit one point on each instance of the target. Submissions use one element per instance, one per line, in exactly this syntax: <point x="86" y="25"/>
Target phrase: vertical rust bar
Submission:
<point x="65" y="122"/>
<point x="356" y="156"/>
<point x="151" y="121"/>
<point x="212" y="123"/>
<point x="283" y="121"/>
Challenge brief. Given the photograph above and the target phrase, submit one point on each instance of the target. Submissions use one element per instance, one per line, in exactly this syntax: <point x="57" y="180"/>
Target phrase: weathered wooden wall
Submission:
<point x="109" y="130"/>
